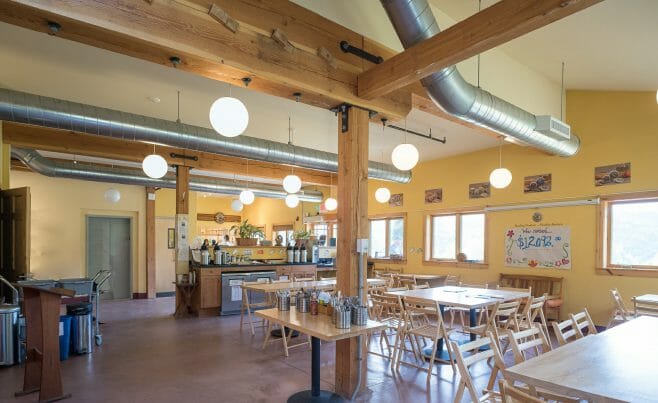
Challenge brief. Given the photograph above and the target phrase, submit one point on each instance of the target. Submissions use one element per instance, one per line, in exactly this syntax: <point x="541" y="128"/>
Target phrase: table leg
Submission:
<point x="315" y="395"/>
<point x="441" y="353"/>
<point x="472" y="319"/>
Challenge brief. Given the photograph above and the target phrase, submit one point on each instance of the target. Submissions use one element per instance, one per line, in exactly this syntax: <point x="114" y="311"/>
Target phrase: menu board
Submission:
<point x="545" y="247"/>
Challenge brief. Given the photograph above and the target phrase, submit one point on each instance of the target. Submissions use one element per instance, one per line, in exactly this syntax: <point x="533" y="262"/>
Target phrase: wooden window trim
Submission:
<point x="604" y="236"/>
<point x="458" y="213"/>
<point x="387" y="217"/>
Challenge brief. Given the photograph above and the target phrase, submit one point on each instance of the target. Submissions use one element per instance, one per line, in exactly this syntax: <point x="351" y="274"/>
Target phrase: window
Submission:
<point x="458" y="237"/>
<point x="630" y="226"/>
<point x="285" y="231"/>
<point x="387" y="237"/>
<point x="320" y="229"/>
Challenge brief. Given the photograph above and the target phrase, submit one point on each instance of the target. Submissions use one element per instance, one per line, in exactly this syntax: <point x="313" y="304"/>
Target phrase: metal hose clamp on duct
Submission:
<point x="414" y="22"/>
<point x="33" y="109"/>
<point x="97" y="173"/>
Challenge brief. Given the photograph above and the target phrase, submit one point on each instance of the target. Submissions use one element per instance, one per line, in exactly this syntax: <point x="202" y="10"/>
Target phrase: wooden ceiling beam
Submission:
<point x="65" y="141"/>
<point x="491" y="27"/>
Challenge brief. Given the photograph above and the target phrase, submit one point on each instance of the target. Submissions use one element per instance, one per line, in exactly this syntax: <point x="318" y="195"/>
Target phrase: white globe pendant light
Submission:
<point x="292" y="201"/>
<point x="500" y="178"/>
<point x="382" y="195"/>
<point x="292" y="183"/>
<point x="247" y="197"/>
<point x="112" y="195"/>
<point x="229" y="117"/>
<point x="331" y="204"/>
<point x="405" y="156"/>
<point x="155" y="166"/>
<point x="236" y="205"/>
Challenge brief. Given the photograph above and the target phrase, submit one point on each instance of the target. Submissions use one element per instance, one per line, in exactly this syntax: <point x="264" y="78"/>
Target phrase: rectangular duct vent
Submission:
<point x="553" y="128"/>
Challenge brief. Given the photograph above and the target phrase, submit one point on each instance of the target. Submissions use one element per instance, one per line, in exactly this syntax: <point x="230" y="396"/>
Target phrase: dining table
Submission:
<point x="298" y="285"/>
<point x="646" y="304"/>
<point x="319" y="327"/>
<point x="462" y="297"/>
<point x="617" y="365"/>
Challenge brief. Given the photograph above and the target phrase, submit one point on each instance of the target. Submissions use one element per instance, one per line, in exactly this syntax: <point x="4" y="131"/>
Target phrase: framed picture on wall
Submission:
<point x="612" y="174"/>
<point x="396" y="200"/>
<point x="171" y="238"/>
<point x="479" y="190"/>
<point x="537" y="183"/>
<point x="434" y="195"/>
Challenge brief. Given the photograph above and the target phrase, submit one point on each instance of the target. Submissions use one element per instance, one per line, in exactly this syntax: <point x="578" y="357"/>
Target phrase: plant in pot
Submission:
<point x="248" y="234"/>
<point x="301" y="236"/>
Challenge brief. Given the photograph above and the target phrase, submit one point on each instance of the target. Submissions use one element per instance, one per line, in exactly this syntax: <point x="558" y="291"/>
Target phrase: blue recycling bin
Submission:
<point x="64" y="336"/>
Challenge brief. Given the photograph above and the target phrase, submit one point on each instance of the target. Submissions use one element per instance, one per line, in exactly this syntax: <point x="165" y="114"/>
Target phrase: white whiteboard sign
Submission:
<point x="547" y="247"/>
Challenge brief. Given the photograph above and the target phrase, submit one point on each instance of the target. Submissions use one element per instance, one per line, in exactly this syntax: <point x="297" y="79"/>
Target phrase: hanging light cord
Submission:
<point x="478" y="59"/>
<point x="562" y="93"/>
<point x="178" y="115"/>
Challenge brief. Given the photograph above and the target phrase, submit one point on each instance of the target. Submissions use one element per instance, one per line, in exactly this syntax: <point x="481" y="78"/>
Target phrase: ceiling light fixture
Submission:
<point x="236" y="205"/>
<point x="292" y="201"/>
<point x="382" y="195"/>
<point x="154" y="165"/>
<point x="247" y="196"/>
<point x="112" y="195"/>
<point x="405" y="156"/>
<point x="292" y="183"/>
<point x="228" y="116"/>
<point x="500" y="177"/>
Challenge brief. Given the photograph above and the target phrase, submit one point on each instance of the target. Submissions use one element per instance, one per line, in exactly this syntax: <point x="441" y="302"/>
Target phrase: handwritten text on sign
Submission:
<point x="538" y="247"/>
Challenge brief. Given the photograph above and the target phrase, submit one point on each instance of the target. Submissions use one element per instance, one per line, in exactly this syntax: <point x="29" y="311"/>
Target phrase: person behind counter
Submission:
<point x="226" y="241"/>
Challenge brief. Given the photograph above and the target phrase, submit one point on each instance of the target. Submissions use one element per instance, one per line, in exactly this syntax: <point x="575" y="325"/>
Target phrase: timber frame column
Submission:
<point x="352" y="225"/>
<point x="182" y="222"/>
<point x="150" y="243"/>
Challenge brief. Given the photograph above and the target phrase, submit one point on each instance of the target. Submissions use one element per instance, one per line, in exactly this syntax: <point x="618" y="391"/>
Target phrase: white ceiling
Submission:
<point x="51" y="66"/>
<point x="607" y="46"/>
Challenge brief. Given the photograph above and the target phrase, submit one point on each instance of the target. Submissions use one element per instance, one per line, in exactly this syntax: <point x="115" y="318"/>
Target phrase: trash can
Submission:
<point x="64" y="337"/>
<point x="81" y="327"/>
<point x="8" y="334"/>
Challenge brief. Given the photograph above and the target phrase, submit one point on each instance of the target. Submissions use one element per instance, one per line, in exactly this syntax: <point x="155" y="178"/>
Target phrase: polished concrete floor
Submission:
<point x="148" y="356"/>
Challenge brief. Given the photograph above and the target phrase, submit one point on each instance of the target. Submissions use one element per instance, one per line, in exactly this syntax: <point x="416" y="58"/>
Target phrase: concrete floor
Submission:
<point x="147" y="355"/>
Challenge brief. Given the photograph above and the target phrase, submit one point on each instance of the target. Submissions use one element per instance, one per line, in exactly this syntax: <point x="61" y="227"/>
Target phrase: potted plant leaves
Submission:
<point x="248" y="234"/>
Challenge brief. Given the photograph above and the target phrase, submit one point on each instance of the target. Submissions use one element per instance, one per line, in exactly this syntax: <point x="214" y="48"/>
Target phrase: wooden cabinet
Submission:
<point x="209" y="289"/>
<point x="292" y="270"/>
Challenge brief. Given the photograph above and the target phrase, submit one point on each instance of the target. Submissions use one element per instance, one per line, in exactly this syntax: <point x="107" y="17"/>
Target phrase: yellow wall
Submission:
<point x="59" y="207"/>
<point x="614" y="127"/>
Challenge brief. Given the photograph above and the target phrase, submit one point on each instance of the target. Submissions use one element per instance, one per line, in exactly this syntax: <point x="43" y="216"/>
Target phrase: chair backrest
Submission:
<point x="385" y="307"/>
<point x="528" y="290"/>
<point x="392" y="289"/>
<point x="469" y="354"/>
<point x="522" y="341"/>
<point x="451" y="280"/>
<point x="408" y="282"/>
<point x="474" y="285"/>
<point x="505" y="313"/>
<point x="564" y="331"/>
<point x="420" y="286"/>
<point x="582" y="320"/>
<point x="417" y="308"/>
<point x="510" y="394"/>
<point x="619" y="303"/>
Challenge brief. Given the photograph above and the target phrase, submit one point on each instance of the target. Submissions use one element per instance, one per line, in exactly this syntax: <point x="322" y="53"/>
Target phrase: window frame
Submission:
<point x="458" y="213"/>
<point x="604" y="236"/>
<point x="388" y="218"/>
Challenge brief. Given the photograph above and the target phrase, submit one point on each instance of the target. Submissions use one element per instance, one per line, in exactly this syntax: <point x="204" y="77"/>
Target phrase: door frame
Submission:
<point x="132" y="217"/>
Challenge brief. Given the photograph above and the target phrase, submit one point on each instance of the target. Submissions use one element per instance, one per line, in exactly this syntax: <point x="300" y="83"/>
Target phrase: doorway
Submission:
<point x="109" y="248"/>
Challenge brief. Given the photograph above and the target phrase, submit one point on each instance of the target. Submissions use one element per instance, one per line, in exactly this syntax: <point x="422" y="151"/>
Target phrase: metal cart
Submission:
<point x="99" y="279"/>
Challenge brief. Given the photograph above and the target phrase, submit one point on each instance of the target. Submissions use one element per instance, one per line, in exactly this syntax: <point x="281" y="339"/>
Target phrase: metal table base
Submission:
<point x="315" y="395"/>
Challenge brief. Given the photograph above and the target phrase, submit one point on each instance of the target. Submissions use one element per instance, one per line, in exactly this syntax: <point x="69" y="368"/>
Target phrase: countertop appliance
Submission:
<point x="232" y="290"/>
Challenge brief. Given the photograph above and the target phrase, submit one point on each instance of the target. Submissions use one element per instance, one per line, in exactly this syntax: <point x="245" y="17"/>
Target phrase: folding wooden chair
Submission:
<point x="620" y="313"/>
<point x="582" y="320"/>
<point x="533" y="309"/>
<point x="420" y="286"/>
<point x="511" y="394"/>
<point x="564" y="331"/>
<point x="247" y="308"/>
<point x="524" y="340"/>
<point x="462" y="312"/>
<point x="414" y="308"/>
<point x="468" y="355"/>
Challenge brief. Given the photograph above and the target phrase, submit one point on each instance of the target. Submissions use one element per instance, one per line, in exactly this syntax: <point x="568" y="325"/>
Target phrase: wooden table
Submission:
<point x="463" y="297"/>
<point x="319" y="327"/>
<point x="617" y="365"/>
<point x="297" y="285"/>
<point x="434" y="280"/>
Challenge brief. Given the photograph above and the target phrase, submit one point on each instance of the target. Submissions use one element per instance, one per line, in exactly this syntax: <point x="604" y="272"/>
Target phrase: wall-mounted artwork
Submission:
<point x="171" y="238"/>
<point x="612" y="174"/>
<point x="541" y="247"/>
<point x="434" y="195"/>
<point x="537" y="183"/>
<point x="479" y="190"/>
<point x="396" y="200"/>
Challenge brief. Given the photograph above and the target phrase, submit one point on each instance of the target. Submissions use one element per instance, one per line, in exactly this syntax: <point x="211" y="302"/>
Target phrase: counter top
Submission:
<point x="245" y="265"/>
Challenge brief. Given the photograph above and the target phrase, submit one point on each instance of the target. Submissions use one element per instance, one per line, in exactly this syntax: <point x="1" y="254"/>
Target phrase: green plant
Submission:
<point x="301" y="234"/>
<point x="246" y="230"/>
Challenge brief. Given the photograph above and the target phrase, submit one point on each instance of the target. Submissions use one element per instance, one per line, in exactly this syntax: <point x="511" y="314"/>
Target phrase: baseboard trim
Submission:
<point x="165" y="294"/>
<point x="139" y="295"/>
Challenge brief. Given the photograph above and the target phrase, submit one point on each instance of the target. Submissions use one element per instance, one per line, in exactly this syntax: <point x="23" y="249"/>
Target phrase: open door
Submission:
<point x="14" y="235"/>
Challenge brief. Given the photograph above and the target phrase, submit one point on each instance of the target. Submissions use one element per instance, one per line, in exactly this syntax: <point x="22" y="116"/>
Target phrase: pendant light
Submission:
<point x="405" y="156"/>
<point x="236" y="205"/>
<point x="292" y="200"/>
<point x="228" y="116"/>
<point x="331" y="204"/>
<point x="112" y="195"/>
<point x="292" y="183"/>
<point x="154" y="166"/>
<point x="500" y="177"/>
<point x="247" y="196"/>
<point x="382" y="194"/>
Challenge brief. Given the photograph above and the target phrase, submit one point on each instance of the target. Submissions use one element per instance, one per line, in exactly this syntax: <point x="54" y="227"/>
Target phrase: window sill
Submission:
<point x="387" y="260"/>
<point x="630" y="272"/>
<point x="454" y="263"/>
